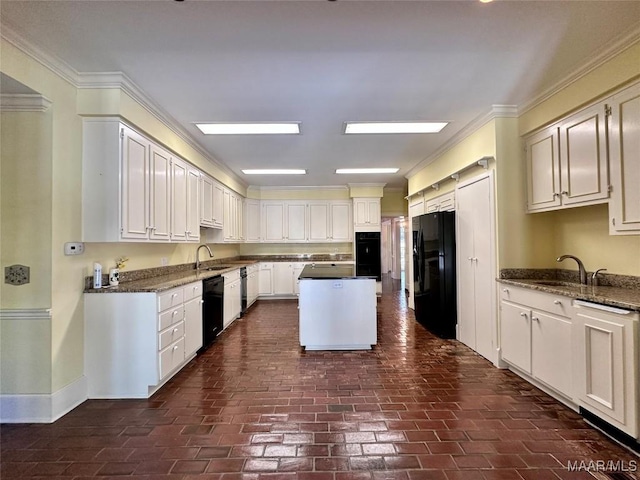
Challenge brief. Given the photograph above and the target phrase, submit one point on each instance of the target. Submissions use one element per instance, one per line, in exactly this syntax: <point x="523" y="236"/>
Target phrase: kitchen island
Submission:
<point x="337" y="308"/>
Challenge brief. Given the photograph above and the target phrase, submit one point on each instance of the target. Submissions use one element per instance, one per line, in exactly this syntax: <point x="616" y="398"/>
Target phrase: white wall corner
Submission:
<point x="43" y="408"/>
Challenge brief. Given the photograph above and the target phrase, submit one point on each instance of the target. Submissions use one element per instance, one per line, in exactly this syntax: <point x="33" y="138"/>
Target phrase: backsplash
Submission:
<point x="142" y="274"/>
<point x="604" y="279"/>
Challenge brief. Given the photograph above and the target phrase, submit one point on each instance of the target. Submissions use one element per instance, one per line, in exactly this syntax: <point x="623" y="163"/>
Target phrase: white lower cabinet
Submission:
<point x="253" y="283"/>
<point x="232" y="297"/>
<point x="265" y="279"/>
<point x="282" y="278"/>
<point x="536" y="336"/>
<point x="606" y="359"/>
<point x="135" y="342"/>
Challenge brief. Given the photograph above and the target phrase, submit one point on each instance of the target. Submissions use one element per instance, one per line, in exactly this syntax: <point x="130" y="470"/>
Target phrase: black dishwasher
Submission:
<point x="212" y="310"/>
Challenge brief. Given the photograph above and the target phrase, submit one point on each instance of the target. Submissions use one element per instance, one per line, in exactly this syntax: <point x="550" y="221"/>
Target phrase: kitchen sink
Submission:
<point x="217" y="267"/>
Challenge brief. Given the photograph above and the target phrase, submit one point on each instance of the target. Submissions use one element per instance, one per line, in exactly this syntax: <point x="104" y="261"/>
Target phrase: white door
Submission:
<point x="160" y="198"/>
<point x="484" y="278"/>
<point x="227" y="227"/>
<point x="265" y="279"/>
<point x="475" y="266"/>
<point x="465" y="267"/>
<point x="206" y="200"/>
<point x="218" y="205"/>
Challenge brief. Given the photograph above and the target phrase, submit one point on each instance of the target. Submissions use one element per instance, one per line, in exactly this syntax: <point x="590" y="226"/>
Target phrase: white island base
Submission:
<point x="338" y="314"/>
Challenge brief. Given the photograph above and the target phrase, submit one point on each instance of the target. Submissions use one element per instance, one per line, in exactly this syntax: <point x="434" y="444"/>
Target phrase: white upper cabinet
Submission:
<point x="273" y="227"/>
<point x="416" y="207"/>
<point x="624" y="160"/>
<point x="178" y="200"/>
<point x="135" y="185"/>
<point x="240" y="227"/>
<point x="252" y="212"/>
<point x="340" y="222"/>
<point x="159" y="194"/>
<point x="543" y="170"/>
<point x="319" y="221"/>
<point x="193" y="204"/>
<point x="206" y="200"/>
<point x="296" y="221"/>
<point x="218" y="206"/>
<point x="584" y="174"/>
<point x="567" y="163"/>
<point x="441" y="203"/>
<point x="366" y="214"/>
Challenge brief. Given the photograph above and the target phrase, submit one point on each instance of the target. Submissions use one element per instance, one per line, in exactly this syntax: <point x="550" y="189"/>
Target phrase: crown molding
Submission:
<point x="496" y="111"/>
<point x="357" y="185"/>
<point x="24" y="102"/>
<point x="119" y="80"/>
<point x="299" y="187"/>
<point x="606" y="53"/>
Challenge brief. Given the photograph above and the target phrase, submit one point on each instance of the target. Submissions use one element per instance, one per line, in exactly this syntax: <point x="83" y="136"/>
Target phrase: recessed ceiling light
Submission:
<point x="274" y="171"/>
<point x="367" y="170"/>
<point x="241" y="128"/>
<point x="393" y="127"/>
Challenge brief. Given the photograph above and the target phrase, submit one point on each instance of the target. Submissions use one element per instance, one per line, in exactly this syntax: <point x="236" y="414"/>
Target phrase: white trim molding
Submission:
<point x="42" y="408"/>
<point x="24" y="102"/>
<point x="497" y="111"/>
<point x="25" y="314"/>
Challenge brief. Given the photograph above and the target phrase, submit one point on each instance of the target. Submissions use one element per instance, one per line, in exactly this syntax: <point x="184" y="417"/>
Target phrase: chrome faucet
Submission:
<point x="581" y="271"/>
<point x="198" y="255"/>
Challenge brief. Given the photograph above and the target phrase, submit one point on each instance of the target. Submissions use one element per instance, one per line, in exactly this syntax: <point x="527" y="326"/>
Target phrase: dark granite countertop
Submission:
<point x="331" y="272"/>
<point x="627" y="296"/>
<point x="161" y="283"/>
<point x="160" y="279"/>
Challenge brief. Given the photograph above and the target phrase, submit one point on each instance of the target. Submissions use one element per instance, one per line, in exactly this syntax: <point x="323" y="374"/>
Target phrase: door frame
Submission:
<point x="490" y="175"/>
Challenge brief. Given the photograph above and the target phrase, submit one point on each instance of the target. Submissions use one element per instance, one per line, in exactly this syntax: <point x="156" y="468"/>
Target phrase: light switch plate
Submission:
<point x="73" y="248"/>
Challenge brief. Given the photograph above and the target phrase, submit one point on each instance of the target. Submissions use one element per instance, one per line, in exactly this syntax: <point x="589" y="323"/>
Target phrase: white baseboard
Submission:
<point x="42" y="408"/>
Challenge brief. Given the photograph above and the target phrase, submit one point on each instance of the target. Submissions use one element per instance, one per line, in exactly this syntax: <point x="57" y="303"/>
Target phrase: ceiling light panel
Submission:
<point x="288" y="128"/>
<point x="274" y="171"/>
<point x="353" y="128"/>
<point x="366" y="170"/>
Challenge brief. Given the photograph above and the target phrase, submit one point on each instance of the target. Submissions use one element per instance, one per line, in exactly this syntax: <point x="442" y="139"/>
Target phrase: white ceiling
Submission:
<point x="323" y="63"/>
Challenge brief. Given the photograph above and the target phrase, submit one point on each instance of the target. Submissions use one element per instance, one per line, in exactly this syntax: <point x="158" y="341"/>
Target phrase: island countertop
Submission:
<point x="332" y="272"/>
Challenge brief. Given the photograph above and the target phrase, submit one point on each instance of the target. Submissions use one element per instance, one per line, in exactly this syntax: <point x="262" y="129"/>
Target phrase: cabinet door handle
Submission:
<point x="557" y="302"/>
<point x="470" y="259"/>
<point x="505" y="290"/>
<point x="175" y="347"/>
<point x="523" y="314"/>
<point x="174" y="295"/>
<point x="175" y="330"/>
<point x="564" y="192"/>
<point x="175" y="312"/>
<point x="535" y="319"/>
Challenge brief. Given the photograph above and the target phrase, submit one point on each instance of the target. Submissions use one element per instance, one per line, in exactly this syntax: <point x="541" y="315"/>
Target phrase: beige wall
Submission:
<point x="471" y="149"/>
<point x="25" y="206"/>
<point x="393" y="203"/>
<point x="295" y="248"/>
<point x="328" y="193"/>
<point x="584" y="232"/>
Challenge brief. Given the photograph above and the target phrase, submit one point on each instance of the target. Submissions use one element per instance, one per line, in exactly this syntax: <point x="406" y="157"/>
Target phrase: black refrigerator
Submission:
<point x="434" y="272"/>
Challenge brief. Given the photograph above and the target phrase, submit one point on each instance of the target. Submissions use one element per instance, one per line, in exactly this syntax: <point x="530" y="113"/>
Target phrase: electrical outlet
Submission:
<point x="164" y="261"/>
<point x="73" y="248"/>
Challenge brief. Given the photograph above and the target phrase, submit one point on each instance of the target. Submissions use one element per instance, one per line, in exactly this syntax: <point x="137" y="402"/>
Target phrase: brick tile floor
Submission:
<point x="256" y="407"/>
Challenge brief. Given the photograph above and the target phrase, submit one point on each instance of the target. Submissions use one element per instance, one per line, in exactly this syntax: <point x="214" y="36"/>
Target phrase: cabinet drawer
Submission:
<point x="171" y="357"/>
<point x="170" y="335"/>
<point x="192" y="290"/>
<point x="171" y="317"/>
<point x="231" y="276"/>
<point x="170" y="299"/>
<point x="536" y="300"/>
